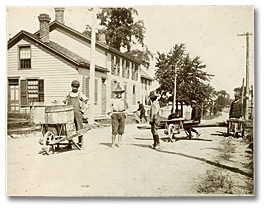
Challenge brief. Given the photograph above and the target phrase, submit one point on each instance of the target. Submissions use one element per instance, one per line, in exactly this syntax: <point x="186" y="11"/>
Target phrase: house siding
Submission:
<point x="44" y="65"/>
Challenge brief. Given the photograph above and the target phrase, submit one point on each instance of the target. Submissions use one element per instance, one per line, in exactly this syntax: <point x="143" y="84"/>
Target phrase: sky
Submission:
<point x="207" y="31"/>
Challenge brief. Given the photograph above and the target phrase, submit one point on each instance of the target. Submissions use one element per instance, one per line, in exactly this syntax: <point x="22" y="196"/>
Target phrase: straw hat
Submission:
<point x="153" y="94"/>
<point x="118" y="89"/>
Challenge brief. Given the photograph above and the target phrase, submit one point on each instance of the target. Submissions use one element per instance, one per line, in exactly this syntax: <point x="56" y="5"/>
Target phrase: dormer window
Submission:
<point x="25" y="57"/>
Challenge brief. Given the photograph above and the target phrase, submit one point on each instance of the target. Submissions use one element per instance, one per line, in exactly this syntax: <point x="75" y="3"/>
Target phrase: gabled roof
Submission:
<point x="55" y="24"/>
<point x="146" y="76"/>
<point x="56" y="48"/>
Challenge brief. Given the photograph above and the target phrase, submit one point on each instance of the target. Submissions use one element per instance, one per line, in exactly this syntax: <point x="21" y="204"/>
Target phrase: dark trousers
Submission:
<point x="190" y="129"/>
<point x="142" y="115"/>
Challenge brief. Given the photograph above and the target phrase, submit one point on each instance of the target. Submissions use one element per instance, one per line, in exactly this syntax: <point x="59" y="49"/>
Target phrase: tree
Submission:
<point x="223" y="100"/>
<point x="142" y="55"/>
<point x="191" y="80"/>
<point x="120" y="28"/>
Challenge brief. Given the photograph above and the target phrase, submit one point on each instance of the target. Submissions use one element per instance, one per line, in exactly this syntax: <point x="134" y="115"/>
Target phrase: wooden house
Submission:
<point x="42" y="65"/>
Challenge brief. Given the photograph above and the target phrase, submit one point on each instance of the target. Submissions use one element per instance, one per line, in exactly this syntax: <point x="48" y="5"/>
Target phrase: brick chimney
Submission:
<point x="59" y="14"/>
<point x="44" y="20"/>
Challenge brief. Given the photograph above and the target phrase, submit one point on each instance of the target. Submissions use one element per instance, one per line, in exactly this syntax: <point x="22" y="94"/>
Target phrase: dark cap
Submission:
<point x="75" y="83"/>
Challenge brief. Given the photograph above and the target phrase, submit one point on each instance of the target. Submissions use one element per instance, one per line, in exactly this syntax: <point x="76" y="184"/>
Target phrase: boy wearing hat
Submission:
<point x="80" y="105"/>
<point x="118" y="115"/>
<point x="236" y="107"/>
<point x="195" y="117"/>
<point x="154" y="116"/>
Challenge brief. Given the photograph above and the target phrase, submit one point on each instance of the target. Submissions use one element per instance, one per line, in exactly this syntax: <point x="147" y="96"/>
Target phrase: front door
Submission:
<point x="13" y="95"/>
<point x="103" y="97"/>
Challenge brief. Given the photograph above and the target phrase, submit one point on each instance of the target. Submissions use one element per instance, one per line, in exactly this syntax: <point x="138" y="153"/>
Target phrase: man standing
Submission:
<point x="142" y="111"/>
<point x="154" y="118"/>
<point x="118" y="115"/>
<point x="80" y="105"/>
<point x="236" y="107"/>
<point x="195" y="118"/>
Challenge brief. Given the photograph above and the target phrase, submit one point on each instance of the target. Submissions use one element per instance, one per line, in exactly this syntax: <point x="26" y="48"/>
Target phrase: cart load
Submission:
<point x="57" y="127"/>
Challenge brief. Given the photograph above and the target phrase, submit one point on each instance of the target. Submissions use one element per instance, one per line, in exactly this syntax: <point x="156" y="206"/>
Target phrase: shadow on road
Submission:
<point x="106" y="144"/>
<point x="143" y="145"/>
<point x="232" y="169"/>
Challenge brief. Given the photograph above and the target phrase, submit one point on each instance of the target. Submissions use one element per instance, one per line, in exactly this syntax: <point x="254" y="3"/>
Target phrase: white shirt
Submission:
<point x="118" y="105"/>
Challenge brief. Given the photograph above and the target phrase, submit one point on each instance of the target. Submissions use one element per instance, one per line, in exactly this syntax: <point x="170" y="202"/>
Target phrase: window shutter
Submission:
<point x="23" y="86"/>
<point x="41" y="90"/>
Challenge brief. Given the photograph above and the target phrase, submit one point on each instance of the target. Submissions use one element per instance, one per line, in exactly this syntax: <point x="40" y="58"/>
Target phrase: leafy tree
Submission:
<point x="120" y="28"/>
<point x="191" y="80"/>
<point x="223" y="100"/>
<point x="144" y="56"/>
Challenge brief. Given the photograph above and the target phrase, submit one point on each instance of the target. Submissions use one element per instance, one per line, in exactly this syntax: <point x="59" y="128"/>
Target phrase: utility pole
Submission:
<point x="92" y="67"/>
<point x="174" y="92"/>
<point x="247" y="71"/>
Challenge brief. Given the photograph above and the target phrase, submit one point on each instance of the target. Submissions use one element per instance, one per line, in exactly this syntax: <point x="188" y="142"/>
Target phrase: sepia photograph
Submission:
<point x="130" y="101"/>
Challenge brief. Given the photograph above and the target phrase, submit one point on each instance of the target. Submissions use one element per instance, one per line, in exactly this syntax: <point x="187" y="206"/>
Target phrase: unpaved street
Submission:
<point x="134" y="169"/>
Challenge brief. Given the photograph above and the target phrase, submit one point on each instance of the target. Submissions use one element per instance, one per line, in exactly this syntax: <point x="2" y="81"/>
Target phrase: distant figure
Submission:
<point x="154" y="118"/>
<point x="195" y="117"/>
<point x="118" y="115"/>
<point x="77" y="99"/>
<point x="236" y="107"/>
<point x="142" y="112"/>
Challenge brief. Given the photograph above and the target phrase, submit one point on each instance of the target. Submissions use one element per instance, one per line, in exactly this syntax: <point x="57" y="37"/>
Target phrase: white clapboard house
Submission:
<point x="41" y="66"/>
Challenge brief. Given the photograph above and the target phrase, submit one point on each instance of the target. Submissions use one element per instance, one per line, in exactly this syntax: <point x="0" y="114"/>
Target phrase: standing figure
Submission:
<point x="195" y="118"/>
<point x="236" y="115"/>
<point x="80" y="105"/>
<point x="142" y="112"/>
<point x="236" y="107"/>
<point x="154" y="118"/>
<point x="118" y="115"/>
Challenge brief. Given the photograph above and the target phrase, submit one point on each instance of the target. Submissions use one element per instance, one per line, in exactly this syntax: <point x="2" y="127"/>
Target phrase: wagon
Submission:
<point x="235" y="126"/>
<point x="57" y="127"/>
<point x="177" y="125"/>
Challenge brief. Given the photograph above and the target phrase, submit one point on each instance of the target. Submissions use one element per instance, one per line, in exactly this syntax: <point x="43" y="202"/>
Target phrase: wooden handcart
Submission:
<point x="174" y="126"/>
<point x="235" y="127"/>
<point x="57" y="127"/>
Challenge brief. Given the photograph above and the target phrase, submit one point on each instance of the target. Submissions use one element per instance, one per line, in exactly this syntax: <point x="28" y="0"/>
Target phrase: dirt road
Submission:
<point x="178" y="169"/>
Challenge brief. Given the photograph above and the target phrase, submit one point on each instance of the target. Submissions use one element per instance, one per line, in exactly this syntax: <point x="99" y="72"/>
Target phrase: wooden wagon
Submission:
<point x="57" y="127"/>
<point x="236" y="127"/>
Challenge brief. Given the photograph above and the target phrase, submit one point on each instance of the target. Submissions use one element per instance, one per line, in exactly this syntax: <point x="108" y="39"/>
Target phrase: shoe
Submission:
<point x="157" y="147"/>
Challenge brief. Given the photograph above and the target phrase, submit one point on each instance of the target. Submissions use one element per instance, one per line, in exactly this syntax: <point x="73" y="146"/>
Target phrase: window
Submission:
<point x="113" y="62"/>
<point x="117" y="66"/>
<point x="123" y="68"/>
<point x="32" y="90"/>
<point x="134" y="72"/>
<point x="127" y="70"/>
<point x="25" y="57"/>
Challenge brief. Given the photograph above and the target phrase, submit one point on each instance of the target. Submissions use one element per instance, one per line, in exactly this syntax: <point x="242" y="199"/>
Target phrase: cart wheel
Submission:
<point x="170" y="133"/>
<point x="48" y="138"/>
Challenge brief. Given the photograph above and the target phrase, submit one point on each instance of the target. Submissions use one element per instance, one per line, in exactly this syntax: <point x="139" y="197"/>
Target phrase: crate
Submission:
<point x="56" y="114"/>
